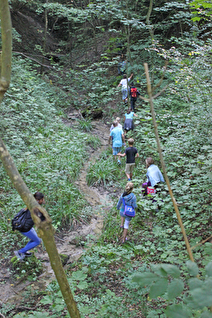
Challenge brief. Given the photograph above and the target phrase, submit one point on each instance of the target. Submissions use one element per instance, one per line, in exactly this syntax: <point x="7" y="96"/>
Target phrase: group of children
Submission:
<point x="129" y="90"/>
<point x="154" y="175"/>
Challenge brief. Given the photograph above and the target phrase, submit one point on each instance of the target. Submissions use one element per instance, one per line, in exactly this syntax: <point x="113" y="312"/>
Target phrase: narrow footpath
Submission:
<point x="100" y="203"/>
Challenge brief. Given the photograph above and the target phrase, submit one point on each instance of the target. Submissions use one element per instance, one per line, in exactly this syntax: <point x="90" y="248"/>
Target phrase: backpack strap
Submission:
<point x="123" y="201"/>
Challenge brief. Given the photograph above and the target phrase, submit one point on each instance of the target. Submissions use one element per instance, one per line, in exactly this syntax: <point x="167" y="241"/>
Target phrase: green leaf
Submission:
<point x="178" y="311"/>
<point x="175" y="288"/>
<point x="143" y="279"/>
<point x="46" y="300"/>
<point x="79" y="275"/>
<point x="194" y="283"/>
<point x="82" y="285"/>
<point x="171" y="270"/>
<point x="208" y="269"/>
<point x="206" y="314"/>
<point x="192" y="268"/>
<point x="158" y="288"/>
<point x="203" y="296"/>
<point x="156" y="268"/>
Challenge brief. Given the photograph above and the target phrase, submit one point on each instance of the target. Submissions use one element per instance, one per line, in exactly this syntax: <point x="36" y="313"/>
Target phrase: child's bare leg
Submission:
<point x="128" y="175"/>
<point x="124" y="235"/>
<point x="122" y="221"/>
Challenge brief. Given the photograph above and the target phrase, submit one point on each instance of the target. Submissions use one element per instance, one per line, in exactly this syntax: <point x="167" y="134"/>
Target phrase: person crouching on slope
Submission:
<point x="154" y="175"/>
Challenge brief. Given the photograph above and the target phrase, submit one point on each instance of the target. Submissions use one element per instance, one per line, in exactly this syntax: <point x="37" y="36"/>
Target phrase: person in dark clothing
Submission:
<point x="131" y="153"/>
<point x="134" y="93"/>
<point x="31" y="234"/>
<point x="130" y="199"/>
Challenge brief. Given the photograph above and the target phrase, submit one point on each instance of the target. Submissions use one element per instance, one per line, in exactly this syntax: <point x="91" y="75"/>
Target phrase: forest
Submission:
<point x="61" y="65"/>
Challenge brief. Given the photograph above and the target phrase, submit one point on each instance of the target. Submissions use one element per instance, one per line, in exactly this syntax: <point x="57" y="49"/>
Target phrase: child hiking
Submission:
<point x="131" y="153"/>
<point x="134" y="93"/>
<point x="124" y="84"/>
<point x="129" y="199"/>
<point x="31" y="233"/>
<point x="119" y="125"/>
<point x="117" y="137"/>
<point x="128" y="120"/>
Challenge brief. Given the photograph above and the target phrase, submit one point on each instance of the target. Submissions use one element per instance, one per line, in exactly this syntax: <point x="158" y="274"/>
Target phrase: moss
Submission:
<point x="64" y="258"/>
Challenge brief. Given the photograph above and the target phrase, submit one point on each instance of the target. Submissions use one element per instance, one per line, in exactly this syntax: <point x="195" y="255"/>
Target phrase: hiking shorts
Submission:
<point x="129" y="168"/>
<point x="127" y="219"/>
<point x="116" y="150"/>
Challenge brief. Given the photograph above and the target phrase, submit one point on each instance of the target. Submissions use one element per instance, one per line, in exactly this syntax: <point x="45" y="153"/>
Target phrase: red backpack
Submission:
<point x="133" y="91"/>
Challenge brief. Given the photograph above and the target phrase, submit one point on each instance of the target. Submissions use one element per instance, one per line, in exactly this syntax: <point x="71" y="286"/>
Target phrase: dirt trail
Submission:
<point x="69" y="245"/>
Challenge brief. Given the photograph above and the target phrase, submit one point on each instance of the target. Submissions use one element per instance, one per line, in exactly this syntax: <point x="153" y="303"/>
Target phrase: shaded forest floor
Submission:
<point x="69" y="243"/>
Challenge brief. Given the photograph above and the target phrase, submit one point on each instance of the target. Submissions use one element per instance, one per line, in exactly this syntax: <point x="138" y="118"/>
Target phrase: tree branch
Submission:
<point x="156" y="95"/>
<point x="6" y="56"/>
<point x="161" y="80"/>
<point x="31" y="58"/>
<point x="38" y="213"/>
<point x="202" y="242"/>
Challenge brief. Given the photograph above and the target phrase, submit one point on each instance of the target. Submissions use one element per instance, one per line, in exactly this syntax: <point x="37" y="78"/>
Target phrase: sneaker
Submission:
<point x="121" y="226"/>
<point x="119" y="162"/>
<point x="19" y="255"/>
<point x="28" y="254"/>
<point x="124" y="241"/>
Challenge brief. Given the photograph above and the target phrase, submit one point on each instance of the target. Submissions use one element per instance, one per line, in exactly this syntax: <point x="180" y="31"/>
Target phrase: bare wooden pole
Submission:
<point x="149" y="90"/>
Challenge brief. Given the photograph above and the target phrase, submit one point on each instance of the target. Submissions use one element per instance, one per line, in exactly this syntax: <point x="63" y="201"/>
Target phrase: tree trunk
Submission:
<point x="39" y="214"/>
<point x="45" y="37"/>
<point x="6" y="55"/>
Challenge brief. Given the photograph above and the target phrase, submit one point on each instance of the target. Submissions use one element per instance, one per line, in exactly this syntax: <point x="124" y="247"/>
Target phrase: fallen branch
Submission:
<point x="31" y="58"/>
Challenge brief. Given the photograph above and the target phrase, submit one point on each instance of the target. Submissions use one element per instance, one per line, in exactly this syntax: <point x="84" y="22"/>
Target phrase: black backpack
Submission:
<point x="22" y="221"/>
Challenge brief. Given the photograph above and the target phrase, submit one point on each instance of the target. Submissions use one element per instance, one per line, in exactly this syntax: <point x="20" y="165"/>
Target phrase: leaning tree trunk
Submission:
<point x="39" y="214"/>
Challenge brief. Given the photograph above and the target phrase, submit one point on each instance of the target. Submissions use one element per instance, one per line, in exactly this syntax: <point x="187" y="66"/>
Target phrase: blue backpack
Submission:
<point x="128" y="210"/>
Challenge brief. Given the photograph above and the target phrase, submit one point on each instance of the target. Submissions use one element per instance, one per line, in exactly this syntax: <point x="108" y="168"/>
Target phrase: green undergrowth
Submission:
<point x="104" y="171"/>
<point x="154" y="235"/>
<point x="104" y="280"/>
<point x="28" y="269"/>
<point x="47" y="153"/>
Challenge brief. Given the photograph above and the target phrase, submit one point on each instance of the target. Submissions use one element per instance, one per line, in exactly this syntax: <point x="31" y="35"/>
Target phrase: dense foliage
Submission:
<point x="148" y="276"/>
<point x="47" y="153"/>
